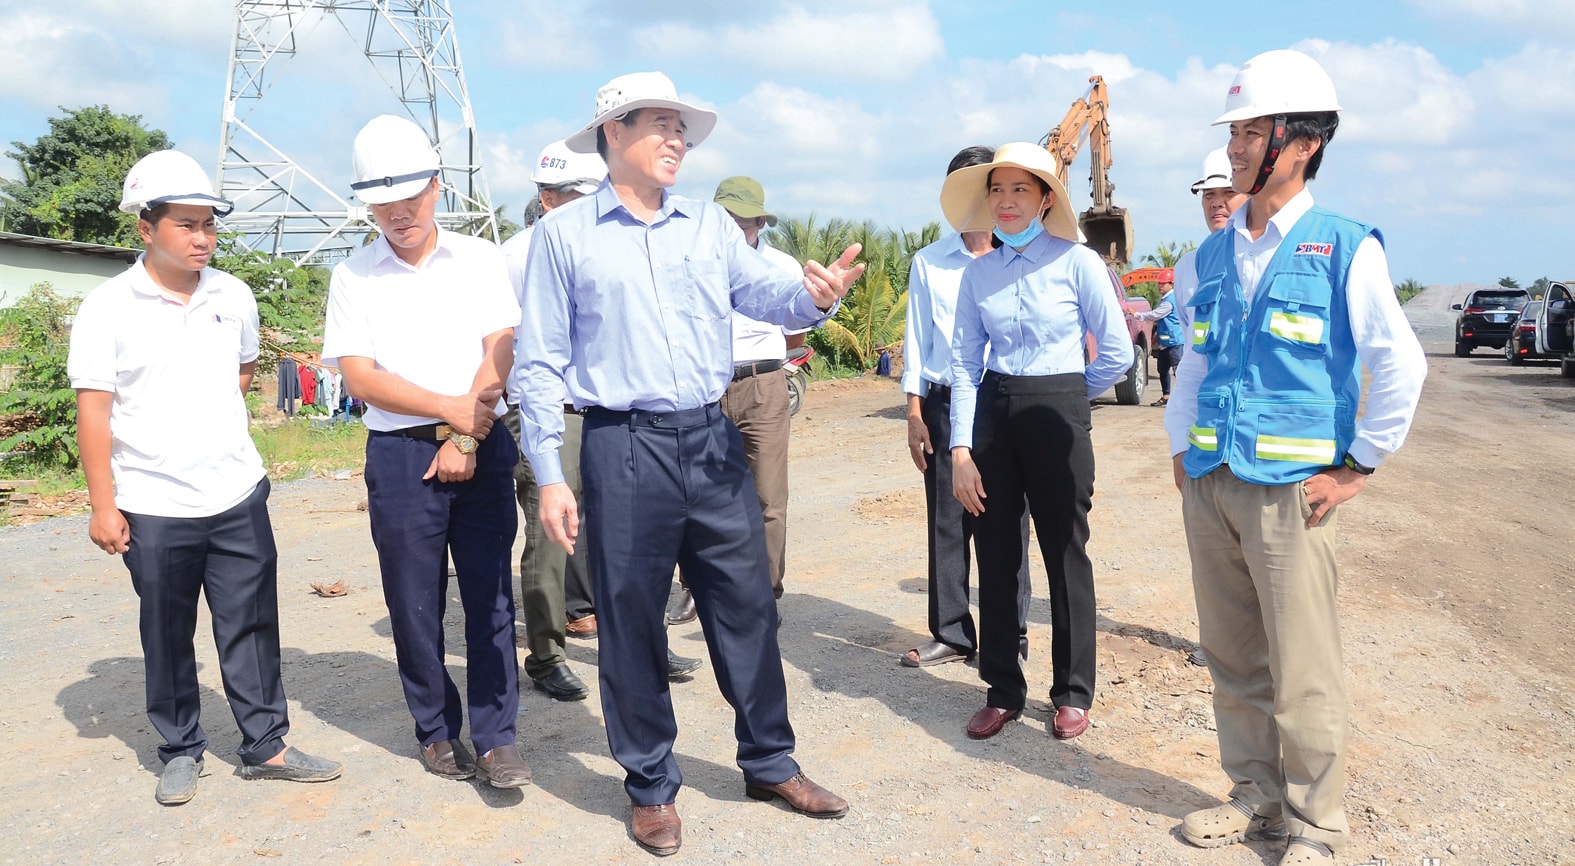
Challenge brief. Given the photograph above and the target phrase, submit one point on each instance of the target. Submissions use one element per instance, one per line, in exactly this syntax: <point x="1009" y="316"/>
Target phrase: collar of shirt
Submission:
<point x="1279" y="224"/>
<point x="608" y="202"/>
<point x="383" y="252"/>
<point x="142" y="283"/>
<point x="1036" y="250"/>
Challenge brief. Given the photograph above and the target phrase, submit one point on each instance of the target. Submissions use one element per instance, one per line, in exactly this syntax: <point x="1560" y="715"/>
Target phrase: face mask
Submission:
<point x="1022" y="238"/>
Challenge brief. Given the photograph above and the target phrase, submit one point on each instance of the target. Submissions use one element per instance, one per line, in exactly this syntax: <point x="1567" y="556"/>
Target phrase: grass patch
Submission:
<point x="52" y="480"/>
<point x="298" y="448"/>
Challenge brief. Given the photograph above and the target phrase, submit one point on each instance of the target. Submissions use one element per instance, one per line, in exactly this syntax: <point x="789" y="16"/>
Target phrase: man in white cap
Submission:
<point x="1292" y="303"/>
<point x="161" y="357"/>
<point x="628" y="299"/>
<point x="420" y="323"/>
<point x="555" y="588"/>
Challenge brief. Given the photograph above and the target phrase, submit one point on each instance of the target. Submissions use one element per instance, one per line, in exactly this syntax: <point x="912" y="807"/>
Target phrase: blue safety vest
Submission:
<point x="1168" y="330"/>
<point x="1279" y="400"/>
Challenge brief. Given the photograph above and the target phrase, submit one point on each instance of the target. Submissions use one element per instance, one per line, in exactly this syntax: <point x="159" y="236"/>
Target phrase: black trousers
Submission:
<point x="230" y="558"/>
<point x="414" y="524"/>
<point x="950" y="529"/>
<point x="1031" y="439"/>
<point x="666" y="489"/>
<point x="1169" y="358"/>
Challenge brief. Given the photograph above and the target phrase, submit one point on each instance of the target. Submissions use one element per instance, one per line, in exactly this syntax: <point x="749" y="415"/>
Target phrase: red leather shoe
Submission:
<point x="656" y="828"/>
<point x="1069" y="722"/>
<point x="989" y="721"/>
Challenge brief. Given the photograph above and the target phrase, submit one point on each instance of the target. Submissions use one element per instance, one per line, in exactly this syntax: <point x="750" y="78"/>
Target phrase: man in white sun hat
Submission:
<point x="161" y="357"/>
<point x="628" y="298"/>
<point x="420" y="323"/>
<point x="1293" y="302"/>
<point x="555" y="591"/>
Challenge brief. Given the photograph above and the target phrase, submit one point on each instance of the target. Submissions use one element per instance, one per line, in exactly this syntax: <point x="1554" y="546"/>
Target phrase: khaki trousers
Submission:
<point x="545" y="569"/>
<point x="1267" y="614"/>
<point x="758" y="406"/>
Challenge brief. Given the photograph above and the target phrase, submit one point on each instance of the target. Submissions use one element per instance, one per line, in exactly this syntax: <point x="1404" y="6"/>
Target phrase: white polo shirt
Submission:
<point x="178" y="421"/>
<point x="754" y="340"/>
<point x="424" y="325"/>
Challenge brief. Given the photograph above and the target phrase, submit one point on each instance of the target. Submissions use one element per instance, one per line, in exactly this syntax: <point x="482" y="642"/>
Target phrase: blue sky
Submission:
<point x="1454" y="140"/>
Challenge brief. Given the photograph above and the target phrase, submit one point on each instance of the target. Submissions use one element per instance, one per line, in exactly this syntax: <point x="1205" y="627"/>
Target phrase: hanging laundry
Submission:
<point x="308" y="385"/>
<point x="289" y="386"/>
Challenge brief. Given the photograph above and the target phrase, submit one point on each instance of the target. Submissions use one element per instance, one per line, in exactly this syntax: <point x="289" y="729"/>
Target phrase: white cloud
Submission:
<point x="53" y="61"/>
<point x="1394" y="92"/>
<point x="1538" y="81"/>
<point x="1536" y="18"/>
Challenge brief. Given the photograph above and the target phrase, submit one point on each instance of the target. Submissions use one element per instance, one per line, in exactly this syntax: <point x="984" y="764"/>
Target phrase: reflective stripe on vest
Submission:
<point x="1200" y="333"/>
<point x="1302" y="329"/>
<point x="1321" y="451"/>
<point x="1203" y="437"/>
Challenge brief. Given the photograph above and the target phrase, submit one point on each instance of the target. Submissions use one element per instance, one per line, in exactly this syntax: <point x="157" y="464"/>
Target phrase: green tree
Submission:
<point x="72" y="177"/>
<point x="870" y="319"/>
<point x="292" y="300"/>
<point x="1539" y="289"/>
<point x="38" y="415"/>
<point x="1167" y="254"/>
<point x="1408" y="290"/>
<point x="1509" y="282"/>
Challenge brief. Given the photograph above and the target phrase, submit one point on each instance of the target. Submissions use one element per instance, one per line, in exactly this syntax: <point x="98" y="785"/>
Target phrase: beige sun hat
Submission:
<point x="965" y="194"/>
<point x="638" y="90"/>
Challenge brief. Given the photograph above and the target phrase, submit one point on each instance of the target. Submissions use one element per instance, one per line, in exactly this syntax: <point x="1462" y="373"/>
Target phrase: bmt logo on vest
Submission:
<point x="1324" y="250"/>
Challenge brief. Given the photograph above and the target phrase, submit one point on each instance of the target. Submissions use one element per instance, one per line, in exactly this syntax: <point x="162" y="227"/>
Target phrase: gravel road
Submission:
<point x="1457" y="585"/>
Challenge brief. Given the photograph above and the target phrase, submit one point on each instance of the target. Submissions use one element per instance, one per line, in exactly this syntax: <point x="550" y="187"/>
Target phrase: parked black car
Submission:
<point x="1487" y="317"/>
<point x="1526" y="342"/>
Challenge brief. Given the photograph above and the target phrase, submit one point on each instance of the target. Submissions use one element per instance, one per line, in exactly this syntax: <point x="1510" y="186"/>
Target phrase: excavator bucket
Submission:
<point x="1109" y="233"/>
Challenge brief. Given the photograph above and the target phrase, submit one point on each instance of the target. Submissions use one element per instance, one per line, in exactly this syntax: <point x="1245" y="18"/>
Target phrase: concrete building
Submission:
<point x="72" y="268"/>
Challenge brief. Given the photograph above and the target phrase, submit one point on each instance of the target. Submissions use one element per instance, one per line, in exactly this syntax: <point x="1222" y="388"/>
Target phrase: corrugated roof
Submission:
<point x="75" y="247"/>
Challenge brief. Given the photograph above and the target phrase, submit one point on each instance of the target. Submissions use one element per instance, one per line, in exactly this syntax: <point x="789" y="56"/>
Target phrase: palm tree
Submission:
<point x="871" y="319"/>
<point x="1167" y="254"/>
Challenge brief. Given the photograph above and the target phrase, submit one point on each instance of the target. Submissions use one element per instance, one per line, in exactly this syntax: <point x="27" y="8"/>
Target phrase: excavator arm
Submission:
<point x="1106" y="228"/>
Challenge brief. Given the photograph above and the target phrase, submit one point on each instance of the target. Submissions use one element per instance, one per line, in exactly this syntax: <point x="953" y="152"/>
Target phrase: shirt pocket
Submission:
<point x="1296" y="319"/>
<point x="1205" y="305"/>
<point x="709" y="292"/>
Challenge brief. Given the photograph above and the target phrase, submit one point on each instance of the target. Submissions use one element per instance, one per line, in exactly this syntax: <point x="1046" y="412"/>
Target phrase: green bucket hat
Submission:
<point x="743" y="197"/>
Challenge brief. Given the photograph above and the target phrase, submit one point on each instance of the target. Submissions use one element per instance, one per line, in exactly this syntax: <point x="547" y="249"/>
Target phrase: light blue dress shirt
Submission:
<point x="624" y="315"/>
<point x="1026" y="313"/>
<point x="933" y="280"/>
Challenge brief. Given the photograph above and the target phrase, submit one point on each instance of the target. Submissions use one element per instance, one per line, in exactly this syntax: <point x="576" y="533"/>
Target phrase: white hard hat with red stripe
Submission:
<point x="1275" y="84"/>
<point x="169" y="177"/>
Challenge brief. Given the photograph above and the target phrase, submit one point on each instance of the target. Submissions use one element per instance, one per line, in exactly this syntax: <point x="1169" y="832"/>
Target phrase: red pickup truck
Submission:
<point x="1129" y="391"/>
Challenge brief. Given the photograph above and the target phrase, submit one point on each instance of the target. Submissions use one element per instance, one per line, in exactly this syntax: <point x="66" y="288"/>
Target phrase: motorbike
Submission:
<point x="794" y="370"/>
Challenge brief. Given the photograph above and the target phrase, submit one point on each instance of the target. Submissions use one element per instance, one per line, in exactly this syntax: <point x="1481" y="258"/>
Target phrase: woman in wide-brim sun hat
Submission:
<point x="1020" y="417"/>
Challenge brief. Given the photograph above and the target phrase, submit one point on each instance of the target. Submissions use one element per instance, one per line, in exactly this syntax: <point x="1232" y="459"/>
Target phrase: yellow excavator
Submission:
<point x="1106" y="228"/>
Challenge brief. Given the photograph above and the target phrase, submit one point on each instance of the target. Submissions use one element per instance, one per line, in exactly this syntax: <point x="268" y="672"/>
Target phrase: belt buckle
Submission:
<point x="444" y="431"/>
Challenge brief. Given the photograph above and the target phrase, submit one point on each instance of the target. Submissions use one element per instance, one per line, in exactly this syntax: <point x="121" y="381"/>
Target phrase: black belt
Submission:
<point x="1018" y="386"/>
<point x="755" y="368"/>
<point x="425" y="431"/>
<point x="940" y="392"/>
<point x="643" y="418"/>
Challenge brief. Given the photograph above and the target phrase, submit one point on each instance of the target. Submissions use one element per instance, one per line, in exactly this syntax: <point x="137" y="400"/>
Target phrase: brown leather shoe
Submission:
<point x="503" y="767"/>
<point x="684" y="610"/>
<point x="657" y="828"/>
<point x="584" y="627"/>
<point x="448" y="759"/>
<point x="806" y="797"/>
<point x="989" y="721"/>
<point x="1069" y="722"/>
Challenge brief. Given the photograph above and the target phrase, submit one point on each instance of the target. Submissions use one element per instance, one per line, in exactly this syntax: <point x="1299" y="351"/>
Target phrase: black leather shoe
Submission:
<point x="684" y="610"/>
<point x="678" y="666"/>
<point x="561" y="684"/>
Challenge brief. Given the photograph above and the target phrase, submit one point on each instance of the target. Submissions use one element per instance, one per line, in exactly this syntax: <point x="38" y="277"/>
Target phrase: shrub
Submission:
<point x="39" y="412"/>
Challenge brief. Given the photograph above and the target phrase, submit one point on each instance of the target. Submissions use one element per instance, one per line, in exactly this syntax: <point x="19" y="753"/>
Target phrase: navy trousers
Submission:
<point x="666" y="489"/>
<point x="229" y="557"/>
<point x="414" y="522"/>
<point x="951" y="534"/>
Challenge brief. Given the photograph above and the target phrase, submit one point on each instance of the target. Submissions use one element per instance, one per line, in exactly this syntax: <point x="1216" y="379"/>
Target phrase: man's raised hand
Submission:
<point x="828" y="285"/>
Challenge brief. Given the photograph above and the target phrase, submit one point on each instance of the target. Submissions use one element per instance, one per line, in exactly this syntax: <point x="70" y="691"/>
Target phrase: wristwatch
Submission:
<point x="1351" y="464"/>
<point x="468" y="444"/>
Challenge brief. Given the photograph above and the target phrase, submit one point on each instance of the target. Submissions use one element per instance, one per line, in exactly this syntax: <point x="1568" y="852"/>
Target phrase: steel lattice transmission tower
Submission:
<point x="282" y="208"/>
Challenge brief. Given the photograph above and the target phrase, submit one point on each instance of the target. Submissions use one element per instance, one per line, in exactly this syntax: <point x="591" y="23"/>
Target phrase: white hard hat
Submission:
<point x="393" y="159"/>
<point x="559" y="166"/>
<point x="1216" y="172"/>
<point x="638" y="90"/>
<point x="169" y="177"/>
<point x="1278" y="82"/>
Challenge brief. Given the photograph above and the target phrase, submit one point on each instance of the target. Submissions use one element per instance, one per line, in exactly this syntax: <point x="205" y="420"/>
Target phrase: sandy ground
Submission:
<point x="1456" y="586"/>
